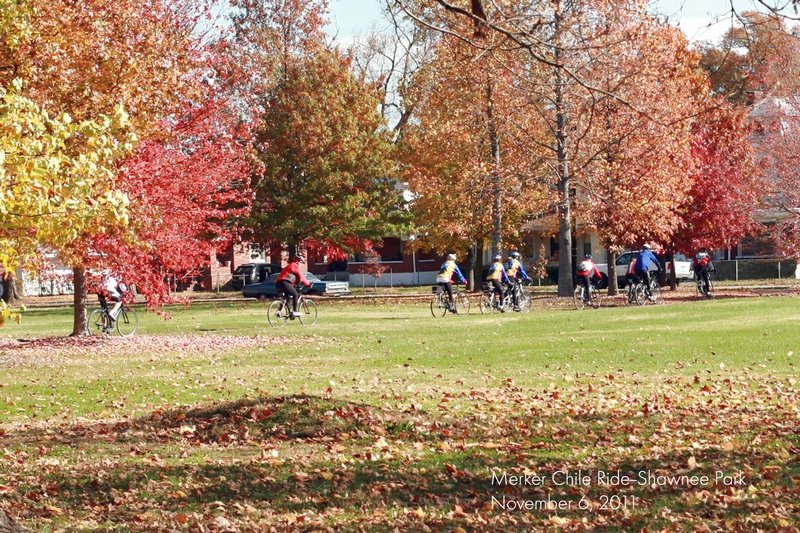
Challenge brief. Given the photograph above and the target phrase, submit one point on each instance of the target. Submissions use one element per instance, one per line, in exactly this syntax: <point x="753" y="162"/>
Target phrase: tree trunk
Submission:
<point x="613" y="286"/>
<point x="476" y="270"/>
<point x="291" y="244"/>
<point x="275" y="252"/>
<point x="673" y="277"/>
<point x="9" y="288"/>
<point x="494" y="142"/>
<point x="473" y="255"/>
<point x="79" y="302"/>
<point x="565" y="275"/>
<point x="7" y="525"/>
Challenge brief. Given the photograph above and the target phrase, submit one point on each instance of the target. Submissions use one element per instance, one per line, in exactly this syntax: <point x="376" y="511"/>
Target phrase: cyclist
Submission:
<point x="113" y="290"/>
<point x="288" y="278"/>
<point x="644" y="259"/>
<point x="701" y="264"/>
<point x="515" y="271"/>
<point x="587" y="271"/>
<point x="497" y="277"/>
<point x="445" y="277"/>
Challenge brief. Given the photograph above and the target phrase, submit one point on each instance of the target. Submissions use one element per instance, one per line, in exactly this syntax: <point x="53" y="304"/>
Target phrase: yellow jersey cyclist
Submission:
<point x="446" y="272"/>
<point x="515" y="272"/>
<point x="497" y="277"/>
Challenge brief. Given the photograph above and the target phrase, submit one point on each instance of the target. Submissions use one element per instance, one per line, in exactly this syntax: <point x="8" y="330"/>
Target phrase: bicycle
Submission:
<point x="580" y="300"/>
<point x="635" y="293"/>
<point x="701" y="290"/>
<point x="491" y="302"/>
<point x="440" y="304"/>
<point x="101" y="323"/>
<point x="523" y="296"/>
<point x="280" y="310"/>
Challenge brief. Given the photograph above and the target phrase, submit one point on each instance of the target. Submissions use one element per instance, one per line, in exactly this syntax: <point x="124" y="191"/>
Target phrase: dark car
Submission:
<point x="267" y="288"/>
<point x="250" y="273"/>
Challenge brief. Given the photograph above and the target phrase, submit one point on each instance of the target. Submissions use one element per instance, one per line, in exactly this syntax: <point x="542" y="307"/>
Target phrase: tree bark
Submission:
<point x="79" y="302"/>
<point x="613" y="286"/>
<point x="494" y="142"/>
<point x="565" y="281"/>
<point x="476" y="270"/>
<point x="673" y="277"/>
<point x="275" y="252"/>
<point x="9" y="288"/>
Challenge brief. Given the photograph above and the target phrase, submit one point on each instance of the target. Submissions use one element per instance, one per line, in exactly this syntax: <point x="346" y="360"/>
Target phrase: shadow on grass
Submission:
<point x="370" y="459"/>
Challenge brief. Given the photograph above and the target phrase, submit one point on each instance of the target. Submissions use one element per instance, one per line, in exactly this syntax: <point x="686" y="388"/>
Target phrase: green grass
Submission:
<point x="381" y="415"/>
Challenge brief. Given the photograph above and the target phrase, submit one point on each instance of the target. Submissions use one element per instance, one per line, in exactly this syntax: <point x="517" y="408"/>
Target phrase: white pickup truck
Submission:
<point x="683" y="268"/>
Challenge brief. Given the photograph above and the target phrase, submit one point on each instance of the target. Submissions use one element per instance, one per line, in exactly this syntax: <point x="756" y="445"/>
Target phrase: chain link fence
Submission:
<point x="740" y="269"/>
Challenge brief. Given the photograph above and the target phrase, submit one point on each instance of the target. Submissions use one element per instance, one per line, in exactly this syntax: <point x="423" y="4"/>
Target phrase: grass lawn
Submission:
<point x="381" y="416"/>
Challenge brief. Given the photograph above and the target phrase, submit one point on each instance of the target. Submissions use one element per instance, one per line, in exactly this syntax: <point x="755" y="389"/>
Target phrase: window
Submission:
<point x="391" y="249"/>
<point x="758" y="246"/>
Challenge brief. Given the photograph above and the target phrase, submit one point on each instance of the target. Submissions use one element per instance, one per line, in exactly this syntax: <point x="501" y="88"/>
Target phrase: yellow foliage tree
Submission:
<point x="53" y="171"/>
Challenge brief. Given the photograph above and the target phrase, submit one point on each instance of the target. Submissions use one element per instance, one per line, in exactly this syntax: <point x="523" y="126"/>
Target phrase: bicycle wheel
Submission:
<point x="508" y="301"/>
<point x="439" y="304"/>
<point x="277" y="313"/>
<point x="577" y="297"/>
<point x="308" y="312"/>
<point x="628" y="295"/>
<point x="524" y="301"/>
<point x="462" y="303"/>
<point x="655" y="291"/>
<point x="96" y="324"/>
<point x="595" y="298"/>
<point x="127" y="322"/>
<point x="486" y="303"/>
<point x="639" y="295"/>
<point x="710" y="293"/>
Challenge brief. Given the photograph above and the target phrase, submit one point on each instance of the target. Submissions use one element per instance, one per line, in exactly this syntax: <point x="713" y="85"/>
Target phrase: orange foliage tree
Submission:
<point x="468" y="152"/>
<point x="88" y="58"/>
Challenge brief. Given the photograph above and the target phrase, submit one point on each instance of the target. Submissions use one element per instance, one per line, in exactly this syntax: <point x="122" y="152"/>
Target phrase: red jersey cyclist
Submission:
<point x="288" y="278"/>
<point x="587" y="270"/>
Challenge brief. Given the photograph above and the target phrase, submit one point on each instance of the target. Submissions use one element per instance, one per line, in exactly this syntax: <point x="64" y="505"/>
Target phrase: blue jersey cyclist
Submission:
<point x="497" y="277"/>
<point x="446" y="272"/>
<point x="515" y="271"/>
<point x="644" y="259"/>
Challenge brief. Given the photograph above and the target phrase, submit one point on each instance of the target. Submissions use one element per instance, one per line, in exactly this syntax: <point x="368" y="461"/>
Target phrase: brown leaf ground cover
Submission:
<point x="316" y="463"/>
<point x="680" y="417"/>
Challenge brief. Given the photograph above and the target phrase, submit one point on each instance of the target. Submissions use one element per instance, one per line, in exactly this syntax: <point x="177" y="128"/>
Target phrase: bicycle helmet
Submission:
<point x="587" y="256"/>
<point x="645" y="247"/>
<point x="515" y="254"/>
<point x="703" y="249"/>
<point x="498" y="257"/>
<point x="300" y="258"/>
<point x="451" y="257"/>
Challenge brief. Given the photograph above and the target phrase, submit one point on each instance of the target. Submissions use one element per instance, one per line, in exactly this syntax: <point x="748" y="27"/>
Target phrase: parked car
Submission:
<point x="683" y="268"/>
<point x="249" y="273"/>
<point x="267" y="289"/>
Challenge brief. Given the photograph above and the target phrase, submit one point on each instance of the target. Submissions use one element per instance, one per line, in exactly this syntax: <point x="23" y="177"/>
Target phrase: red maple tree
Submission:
<point x="726" y="187"/>
<point x="186" y="190"/>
